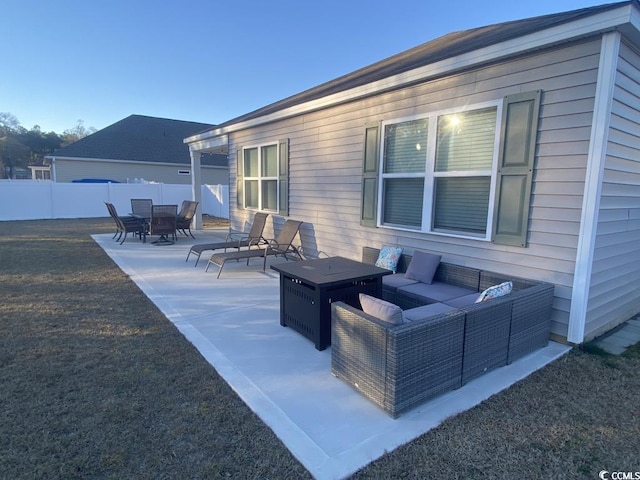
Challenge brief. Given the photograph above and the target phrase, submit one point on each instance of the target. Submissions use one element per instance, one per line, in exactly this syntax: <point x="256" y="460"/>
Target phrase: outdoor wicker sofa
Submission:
<point x="447" y="344"/>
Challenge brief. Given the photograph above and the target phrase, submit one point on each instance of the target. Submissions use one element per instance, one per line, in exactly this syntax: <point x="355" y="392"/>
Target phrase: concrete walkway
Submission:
<point x="234" y="323"/>
<point x="620" y="338"/>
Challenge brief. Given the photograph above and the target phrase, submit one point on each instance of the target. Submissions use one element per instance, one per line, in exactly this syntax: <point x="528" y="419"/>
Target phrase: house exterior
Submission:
<point x="137" y="148"/>
<point x="513" y="148"/>
<point x="40" y="172"/>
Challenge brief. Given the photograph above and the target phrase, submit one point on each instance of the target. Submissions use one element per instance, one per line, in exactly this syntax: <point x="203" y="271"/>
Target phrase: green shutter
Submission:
<point x="239" y="178"/>
<point x="371" y="157"/>
<point x="283" y="176"/>
<point x="515" y="168"/>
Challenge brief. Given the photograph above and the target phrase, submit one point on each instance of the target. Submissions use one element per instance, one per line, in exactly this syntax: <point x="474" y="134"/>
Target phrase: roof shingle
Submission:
<point x="141" y="138"/>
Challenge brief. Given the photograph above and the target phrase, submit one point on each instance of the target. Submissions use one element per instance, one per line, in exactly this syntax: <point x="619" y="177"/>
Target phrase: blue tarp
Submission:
<point x="94" y="180"/>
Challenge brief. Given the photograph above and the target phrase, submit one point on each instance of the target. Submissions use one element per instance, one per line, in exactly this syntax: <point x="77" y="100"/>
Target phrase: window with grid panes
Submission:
<point x="436" y="172"/>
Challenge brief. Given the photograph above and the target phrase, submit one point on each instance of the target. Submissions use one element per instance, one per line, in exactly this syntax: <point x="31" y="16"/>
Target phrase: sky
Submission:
<point x="208" y="60"/>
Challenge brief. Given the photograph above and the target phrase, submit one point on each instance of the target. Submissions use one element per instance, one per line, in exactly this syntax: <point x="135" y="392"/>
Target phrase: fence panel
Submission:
<point x="215" y="200"/>
<point x="35" y="200"/>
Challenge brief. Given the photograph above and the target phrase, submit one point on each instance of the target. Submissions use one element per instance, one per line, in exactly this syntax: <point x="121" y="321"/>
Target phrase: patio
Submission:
<point x="234" y="323"/>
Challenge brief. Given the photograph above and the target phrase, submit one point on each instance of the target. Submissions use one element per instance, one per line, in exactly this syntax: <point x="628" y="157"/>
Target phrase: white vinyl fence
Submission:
<point x="38" y="199"/>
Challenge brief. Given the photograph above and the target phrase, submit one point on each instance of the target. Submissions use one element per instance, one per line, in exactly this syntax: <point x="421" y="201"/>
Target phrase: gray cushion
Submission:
<point x="381" y="309"/>
<point x="425" y="311"/>
<point x="436" y="292"/>
<point x="463" y="301"/>
<point x="423" y="266"/>
<point x="396" y="280"/>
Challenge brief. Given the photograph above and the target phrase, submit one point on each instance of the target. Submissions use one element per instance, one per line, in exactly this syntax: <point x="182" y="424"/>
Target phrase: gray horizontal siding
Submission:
<point x="326" y="164"/>
<point x="615" y="281"/>
<point x="69" y="170"/>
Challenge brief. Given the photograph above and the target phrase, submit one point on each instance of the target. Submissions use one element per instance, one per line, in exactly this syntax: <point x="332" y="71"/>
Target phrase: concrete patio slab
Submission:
<point x="234" y="323"/>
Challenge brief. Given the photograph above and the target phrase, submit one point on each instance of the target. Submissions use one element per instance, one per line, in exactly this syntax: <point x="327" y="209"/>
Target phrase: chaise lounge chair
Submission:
<point x="235" y="240"/>
<point x="281" y="245"/>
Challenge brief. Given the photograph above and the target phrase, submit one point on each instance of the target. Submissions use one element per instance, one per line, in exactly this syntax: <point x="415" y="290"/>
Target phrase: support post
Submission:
<point x="196" y="187"/>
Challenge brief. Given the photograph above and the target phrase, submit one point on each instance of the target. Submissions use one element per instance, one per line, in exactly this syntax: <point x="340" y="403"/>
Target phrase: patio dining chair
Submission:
<point x="235" y="240"/>
<point x="185" y="216"/>
<point x="126" y="224"/>
<point x="141" y="207"/>
<point x="281" y="245"/>
<point x="163" y="223"/>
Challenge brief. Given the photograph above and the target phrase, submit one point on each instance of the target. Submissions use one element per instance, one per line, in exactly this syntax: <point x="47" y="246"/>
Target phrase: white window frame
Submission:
<point x="260" y="179"/>
<point x="430" y="175"/>
<point x="39" y="173"/>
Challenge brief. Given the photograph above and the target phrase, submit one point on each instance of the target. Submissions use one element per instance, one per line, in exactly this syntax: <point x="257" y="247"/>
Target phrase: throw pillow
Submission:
<point x="381" y="309"/>
<point x="423" y="266"/>
<point x="495" y="292"/>
<point x="388" y="258"/>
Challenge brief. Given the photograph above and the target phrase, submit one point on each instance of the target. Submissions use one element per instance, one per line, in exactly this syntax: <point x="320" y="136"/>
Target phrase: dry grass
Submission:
<point x="97" y="383"/>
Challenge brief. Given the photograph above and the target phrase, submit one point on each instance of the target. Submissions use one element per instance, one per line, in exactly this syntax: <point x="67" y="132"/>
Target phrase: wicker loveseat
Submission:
<point x="400" y="366"/>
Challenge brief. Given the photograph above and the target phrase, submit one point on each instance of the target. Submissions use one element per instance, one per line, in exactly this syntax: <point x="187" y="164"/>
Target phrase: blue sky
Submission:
<point x="208" y="61"/>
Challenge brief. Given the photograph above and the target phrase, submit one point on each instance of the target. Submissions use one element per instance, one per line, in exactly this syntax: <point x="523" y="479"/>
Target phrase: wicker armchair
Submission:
<point x="397" y="366"/>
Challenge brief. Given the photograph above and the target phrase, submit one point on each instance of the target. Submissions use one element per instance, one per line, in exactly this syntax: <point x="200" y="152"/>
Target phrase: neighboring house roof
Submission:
<point x="442" y="48"/>
<point x="139" y="138"/>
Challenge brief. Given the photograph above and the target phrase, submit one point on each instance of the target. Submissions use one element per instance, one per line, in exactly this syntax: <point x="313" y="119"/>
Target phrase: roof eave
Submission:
<point x="112" y="160"/>
<point x="625" y="18"/>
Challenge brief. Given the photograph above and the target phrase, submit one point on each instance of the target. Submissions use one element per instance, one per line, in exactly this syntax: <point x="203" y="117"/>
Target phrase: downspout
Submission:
<point x="596" y="159"/>
<point x="53" y="169"/>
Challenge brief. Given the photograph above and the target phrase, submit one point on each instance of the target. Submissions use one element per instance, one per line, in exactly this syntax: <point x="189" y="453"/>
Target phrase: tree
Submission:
<point x="8" y="124"/>
<point x="20" y="147"/>
<point x="76" y="133"/>
<point x="40" y="143"/>
<point x="12" y="152"/>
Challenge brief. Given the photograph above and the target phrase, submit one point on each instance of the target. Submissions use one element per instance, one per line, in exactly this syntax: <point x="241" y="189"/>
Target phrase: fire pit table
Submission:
<point x="308" y="288"/>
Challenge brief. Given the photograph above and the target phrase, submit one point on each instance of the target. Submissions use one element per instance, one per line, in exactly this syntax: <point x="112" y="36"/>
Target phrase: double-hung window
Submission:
<point x="437" y="171"/>
<point x="260" y="166"/>
<point x="465" y="172"/>
<point x="262" y="177"/>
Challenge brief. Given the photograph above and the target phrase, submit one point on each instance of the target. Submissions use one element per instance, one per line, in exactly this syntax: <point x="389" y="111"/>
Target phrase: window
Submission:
<point x="437" y="171"/>
<point x="465" y="153"/>
<point x="403" y="172"/>
<point x="465" y="173"/>
<point x="40" y="173"/>
<point x="260" y="175"/>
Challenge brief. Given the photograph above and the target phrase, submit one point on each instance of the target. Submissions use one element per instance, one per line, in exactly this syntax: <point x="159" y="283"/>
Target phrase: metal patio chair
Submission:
<point x="185" y="216"/>
<point x="163" y="223"/>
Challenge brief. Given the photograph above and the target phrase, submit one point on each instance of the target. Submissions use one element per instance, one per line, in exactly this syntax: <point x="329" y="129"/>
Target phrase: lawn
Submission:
<point x="97" y="383"/>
